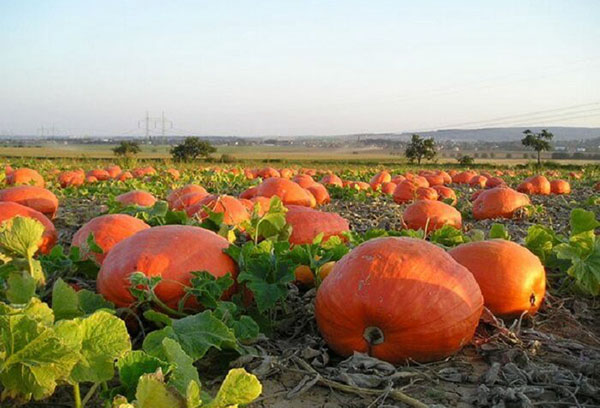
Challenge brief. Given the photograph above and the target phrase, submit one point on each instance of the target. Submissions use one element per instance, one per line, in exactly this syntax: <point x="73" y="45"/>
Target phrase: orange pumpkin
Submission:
<point x="560" y="187"/>
<point x="463" y="177"/>
<point x="304" y="180"/>
<point x="233" y="210"/>
<point x="378" y="179"/>
<point x="398" y="299"/>
<point x="38" y="198"/>
<point x="405" y="192"/>
<point x="136" y="197"/>
<point x="478" y="181"/>
<point x="388" y="188"/>
<point x="535" y="185"/>
<point x="180" y="192"/>
<point x="71" y="179"/>
<point x="426" y="193"/>
<point x="142" y="172"/>
<point x="113" y="171"/>
<point x="307" y="224"/>
<point x="170" y="251"/>
<point x="268" y="172"/>
<point x="8" y="210"/>
<point x="428" y="215"/>
<point x="320" y="193"/>
<point x="25" y="176"/>
<point x="289" y="191"/>
<point x="173" y="173"/>
<point x="99" y="174"/>
<point x="498" y="202"/>
<point x="511" y="278"/>
<point x="107" y="230"/>
<point x="126" y="175"/>
<point x="446" y="193"/>
<point x="331" y="179"/>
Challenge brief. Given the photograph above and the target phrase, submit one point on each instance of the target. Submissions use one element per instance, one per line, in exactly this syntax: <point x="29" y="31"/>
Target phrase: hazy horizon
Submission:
<point x="247" y="68"/>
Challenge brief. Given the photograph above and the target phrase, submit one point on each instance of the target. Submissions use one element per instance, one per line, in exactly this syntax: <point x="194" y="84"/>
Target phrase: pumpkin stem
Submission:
<point x="532" y="299"/>
<point x="373" y="335"/>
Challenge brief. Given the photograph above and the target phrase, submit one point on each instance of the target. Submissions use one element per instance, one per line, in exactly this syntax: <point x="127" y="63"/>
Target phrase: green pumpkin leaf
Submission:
<point x="133" y="365"/>
<point x="21" y="236"/>
<point x="105" y="339"/>
<point x="582" y="221"/>
<point x="152" y="392"/>
<point x="183" y="372"/>
<point x="238" y="388"/>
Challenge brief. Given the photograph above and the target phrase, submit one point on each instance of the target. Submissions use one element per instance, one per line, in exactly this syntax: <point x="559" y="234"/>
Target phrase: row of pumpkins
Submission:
<point x="394" y="298"/>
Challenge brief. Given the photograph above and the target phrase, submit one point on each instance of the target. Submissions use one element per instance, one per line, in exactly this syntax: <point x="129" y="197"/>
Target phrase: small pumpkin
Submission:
<point x="331" y="179"/>
<point x="398" y="299"/>
<point x="107" y="230"/>
<point x="307" y="224"/>
<point x="446" y="193"/>
<point x="463" y="177"/>
<point x="428" y="215"/>
<point x="378" y="179"/>
<point x="98" y="174"/>
<point x="560" y="187"/>
<point x="511" y="278"/>
<point x="320" y="193"/>
<point x="388" y="188"/>
<point x="180" y="192"/>
<point x="304" y="180"/>
<point x="233" y="210"/>
<point x="538" y="185"/>
<point x="268" y="172"/>
<point x="136" y="197"/>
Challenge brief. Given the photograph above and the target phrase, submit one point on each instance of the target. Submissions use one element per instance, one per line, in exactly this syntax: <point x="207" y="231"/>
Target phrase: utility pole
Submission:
<point x="164" y="121"/>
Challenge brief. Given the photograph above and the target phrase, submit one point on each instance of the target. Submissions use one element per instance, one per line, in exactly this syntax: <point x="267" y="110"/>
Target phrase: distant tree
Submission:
<point x="127" y="149"/>
<point x="538" y="142"/>
<point x="191" y="149"/>
<point x="466" y="160"/>
<point x="420" y="149"/>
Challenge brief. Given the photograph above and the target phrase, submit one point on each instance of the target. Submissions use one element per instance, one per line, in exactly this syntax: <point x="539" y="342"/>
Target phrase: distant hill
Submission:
<point x="495" y="134"/>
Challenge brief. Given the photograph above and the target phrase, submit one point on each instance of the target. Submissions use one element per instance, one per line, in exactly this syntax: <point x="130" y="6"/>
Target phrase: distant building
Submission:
<point x="560" y="148"/>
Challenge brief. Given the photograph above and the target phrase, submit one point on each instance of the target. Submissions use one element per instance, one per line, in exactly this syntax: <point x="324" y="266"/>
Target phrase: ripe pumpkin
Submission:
<point x="71" y="179"/>
<point x="539" y="185"/>
<point x="405" y="192"/>
<point x="99" y="174"/>
<point x="304" y="180"/>
<point x="494" y="182"/>
<point x="136" y="197"/>
<point x="478" y="181"/>
<point x="398" y="179"/>
<point x="499" y="202"/>
<point x="173" y="173"/>
<point x="268" y="172"/>
<point x="170" y="251"/>
<point x="126" y="175"/>
<point x="320" y="193"/>
<point x="428" y="215"/>
<point x="511" y="278"/>
<point x="426" y="193"/>
<point x="463" y="177"/>
<point x="233" y="210"/>
<point x="91" y="179"/>
<point x="560" y="187"/>
<point x="249" y="193"/>
<point x="143" y="172"/>
<point x="307" y="224"/>
<point x="445" y="193"/>
<point x="25" y="176"/>
<point x="289" y="191"/>
<point x="38" y="198"/>
<point x="113" y="171"/>
<point x="180" y="192"/>
<point x="398" y="299"/>
<point x="108" y="230"/>
<point x="388" y="188"/>
<point x="378" y="179"/>
<point x="331" y="179"/>
<point x="434" y="179"/>
<point x="8" y="210"/>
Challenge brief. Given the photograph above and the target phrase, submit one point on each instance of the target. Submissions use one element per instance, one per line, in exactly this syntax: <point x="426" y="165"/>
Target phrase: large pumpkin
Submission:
<point x="535" y="185"/>
<point x="498" y="202"/>
<point x="380" y="178"/>
<point x="25" y="176"/>
<point x="398" y="299"/>
<point x="429" y="215"/>
<point x="8" y="210"/>
<point x="307" y="224"/>
<point x="71" y="178"/>
<point x="136" y="197"/>
<point x="180" y="192"/>
<point x="171" y="252"/>
<point x="511" y="278"/>
<point x="320" y="193"/>
<point x="108" y="230"/>
<point x="463" y="177"/>
<point x="304" y="180"/>
<point x="38" y="198"/>
<point x="99" y="174"/>
<point x="289" y="191"/>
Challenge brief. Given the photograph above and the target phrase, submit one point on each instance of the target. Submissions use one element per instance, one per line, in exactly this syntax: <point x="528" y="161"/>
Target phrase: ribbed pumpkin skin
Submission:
<point x="25" y="176"/>
<point x="234" y="210"/>
<point x="380" y="178"/>
<point x="535" y="185"/>
<point x="308" y="223"/>
<point x="38" y="198"/>
<point x="320" y="193"/>
<point x="108" y="230"/>
<point x="180" y="192"/>
<point x="8" y="210"/>
<point x="289" y="191"/>
<point x="304" y="180"/>
<point x="170" y="251"/>
<point x="136" y="197"/>
<point x="511" y="278"/>
<point x="498" y="202"/>
<point x="463" y="177"/>
<point x="426" y="305"/>
<point x="431" y="214"/>
<point x="445" y="193"/>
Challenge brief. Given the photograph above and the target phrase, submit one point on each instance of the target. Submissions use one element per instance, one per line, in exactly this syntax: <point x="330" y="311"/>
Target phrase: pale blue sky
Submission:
<point x="297" y="67"/>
